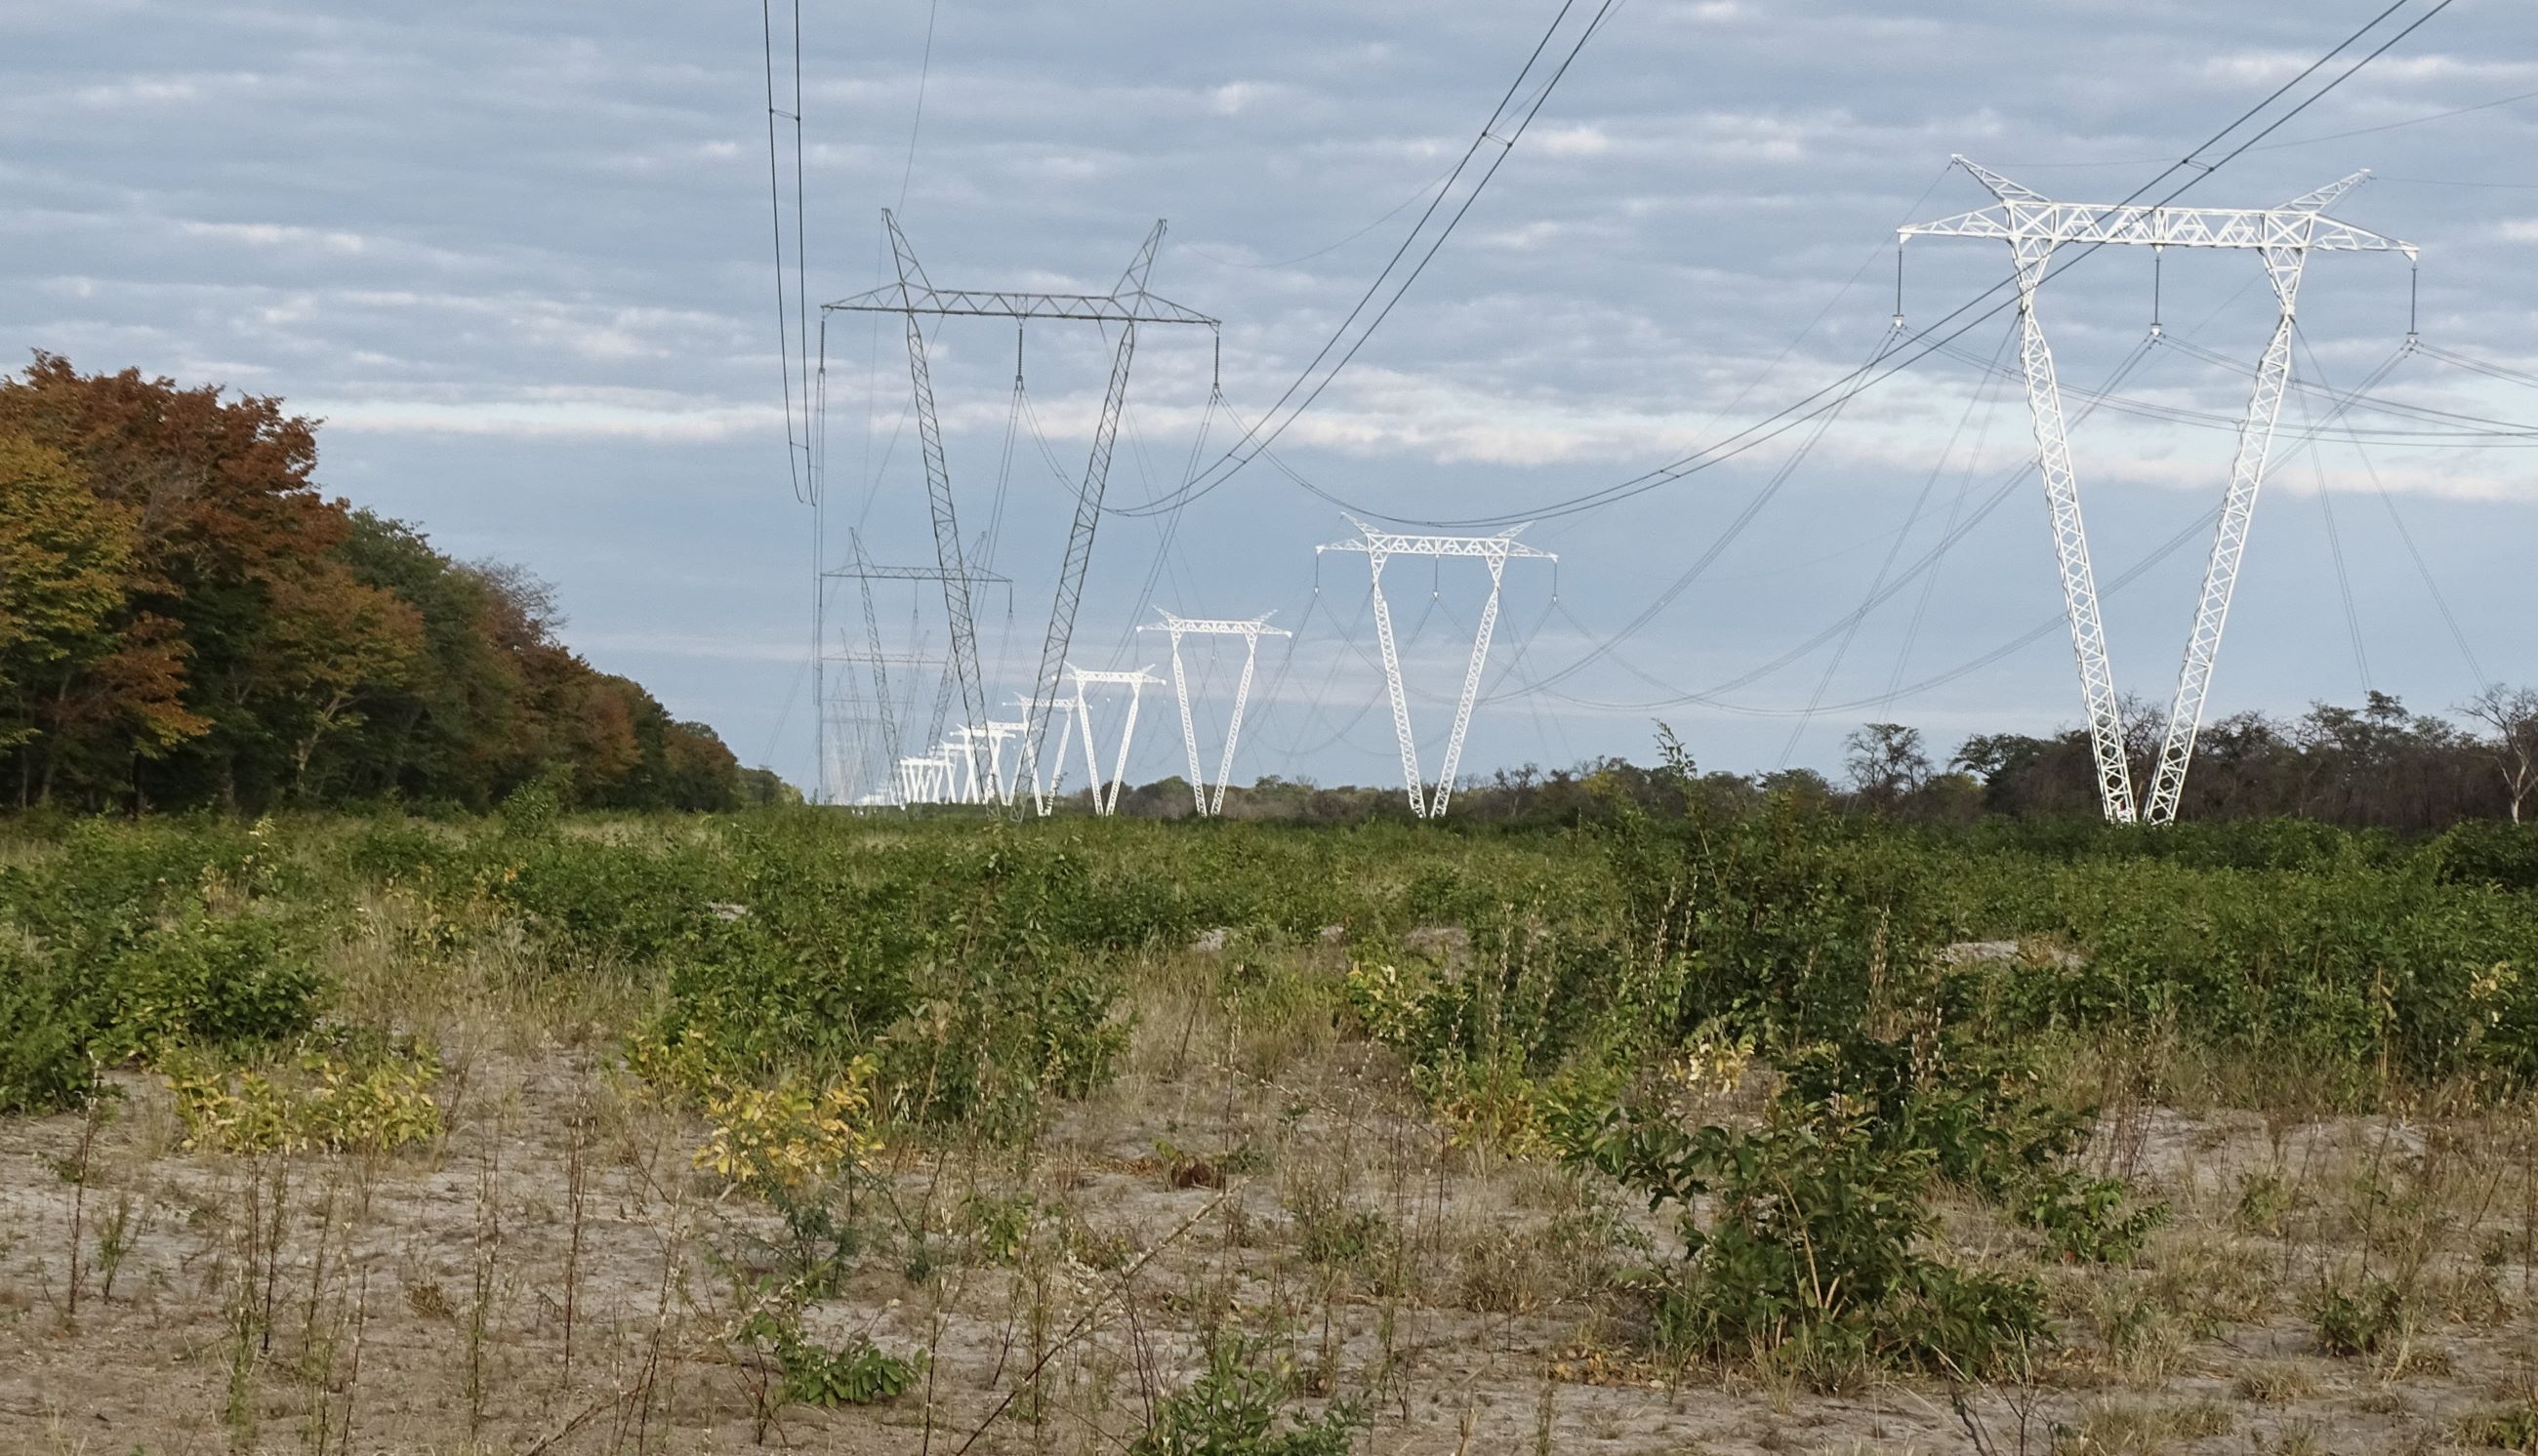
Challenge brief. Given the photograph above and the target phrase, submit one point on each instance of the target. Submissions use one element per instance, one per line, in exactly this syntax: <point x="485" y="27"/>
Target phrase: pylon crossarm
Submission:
<point x="1248" y="627"/>
<point x="2162" y="227"/>
<point x="2022" y="214"/>
<point x="1010" y="304"/>
<point x="867" y="571"/>
<point x="1501" y="546"/>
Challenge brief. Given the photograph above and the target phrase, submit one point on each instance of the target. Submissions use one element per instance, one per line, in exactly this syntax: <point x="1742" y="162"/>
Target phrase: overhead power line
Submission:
<point x="1316" y="377"/>
<point x="1956" y="322"/>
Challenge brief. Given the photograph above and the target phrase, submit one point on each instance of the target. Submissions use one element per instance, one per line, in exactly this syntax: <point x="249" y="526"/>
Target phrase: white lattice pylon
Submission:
<point x="926" y="779"/>
<point x="1250" y="631"/>
<point x="1491" y="552"/>
<point x="2034" y="225"/>
<point x="1105" y="801"/>
<point x="999" y="785"/>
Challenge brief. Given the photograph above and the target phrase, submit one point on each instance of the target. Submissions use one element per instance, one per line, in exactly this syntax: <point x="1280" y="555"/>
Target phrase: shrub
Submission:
<point x="1807" y="1230"/>
<point x="213" y="979"/>
<point x="44" y="1059"/>
<point x="2086" y="1219"/>
<point x="791" y="1137"/>
<point x="327" y="1101"/>
<point x="2362" y="1320"/>
<point x="856" y="1373"/>
<point x="1234" y="1408"/>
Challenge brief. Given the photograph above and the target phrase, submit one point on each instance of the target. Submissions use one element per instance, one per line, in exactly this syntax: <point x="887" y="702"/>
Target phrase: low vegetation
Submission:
<point x="567" y="1131"/>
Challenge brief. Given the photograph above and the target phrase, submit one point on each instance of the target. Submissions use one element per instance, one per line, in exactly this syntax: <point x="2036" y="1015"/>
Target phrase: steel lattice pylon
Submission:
<point x="1105" y="803"/>
<point x="1250" y="631"/>
<point x="2034" y="225"/>
<point x="863" y="571"/>
<point x="1491" y="551"/>
<point x="1127" y="305"/>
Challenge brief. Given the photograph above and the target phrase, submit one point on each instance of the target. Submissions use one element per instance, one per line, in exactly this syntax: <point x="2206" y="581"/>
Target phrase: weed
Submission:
<point x="1235" y="1406"/>
<point x="2513" y="1427"/>
<point x="2085" y="1218"/>
<point x="793" y="1136"/>
<point x="325" y="1102"/>
<point x="2363" y="1319"/>
<point x="1806" y="1231"/>
<point x="857" y="1372"/>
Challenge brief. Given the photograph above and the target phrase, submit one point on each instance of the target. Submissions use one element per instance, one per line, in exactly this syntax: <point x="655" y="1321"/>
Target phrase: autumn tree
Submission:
<point x="75" y="665"/>
<point x="187" y="620"/>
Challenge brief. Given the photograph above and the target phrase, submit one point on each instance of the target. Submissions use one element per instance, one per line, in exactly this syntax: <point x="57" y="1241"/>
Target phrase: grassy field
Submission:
<point x="1739" y="1131"/>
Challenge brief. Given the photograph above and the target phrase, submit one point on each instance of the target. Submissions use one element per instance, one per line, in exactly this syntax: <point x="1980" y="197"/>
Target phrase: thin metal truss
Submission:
<point x="1493" y="551"/>
<point x="1106" y="801"/>
<point x="1127" y="305"/>
<point x="2034" y="225"/>
<point x="1250" y="631"/>
<point x="863" y="571"/>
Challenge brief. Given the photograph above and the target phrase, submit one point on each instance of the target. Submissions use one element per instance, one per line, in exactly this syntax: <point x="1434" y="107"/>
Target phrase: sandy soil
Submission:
<point x="426" y="1302"/>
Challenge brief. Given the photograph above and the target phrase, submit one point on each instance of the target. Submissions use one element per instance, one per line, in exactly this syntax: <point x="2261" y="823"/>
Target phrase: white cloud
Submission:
<point x="1572" y="140"/>
<point x="594" y="416"/>
<point x="278" y="235"/>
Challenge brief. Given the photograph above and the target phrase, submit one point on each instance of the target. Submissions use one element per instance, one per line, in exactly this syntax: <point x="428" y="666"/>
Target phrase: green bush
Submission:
<point x="44" y="1059"/>
<point x="1805" y="1233"/>
<point x="2360" y="1320"/>
<point x="212" y="979"/>
<point x="1234" y="1407"/>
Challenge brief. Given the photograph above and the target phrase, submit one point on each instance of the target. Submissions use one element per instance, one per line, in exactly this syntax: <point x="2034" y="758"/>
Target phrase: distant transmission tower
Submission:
<point x="1250" y="631"/>
<point x="1493" y="551"/>
<point x="863" y="571"/>
<point x="916" y="297"/>
<point x="1104" y="802"/>
<point x="2282" y="237"/>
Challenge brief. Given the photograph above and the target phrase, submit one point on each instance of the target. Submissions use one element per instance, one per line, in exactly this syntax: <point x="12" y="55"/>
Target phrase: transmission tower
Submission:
<point x="1493" y="551"/>
<point x="1105" y="802"/>
<point x="2034" y="225"/>
<point x="884" y="716"/>
<point x="863" y="571"/>
<point x="1250" y="631"/>
<point x="1127" y="305"/>
<point x="1000" y="786"/>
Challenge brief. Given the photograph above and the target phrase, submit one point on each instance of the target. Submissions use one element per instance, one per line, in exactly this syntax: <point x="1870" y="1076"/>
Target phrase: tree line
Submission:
<point x="2377" y="766"/>
<point x="187" y="620"/>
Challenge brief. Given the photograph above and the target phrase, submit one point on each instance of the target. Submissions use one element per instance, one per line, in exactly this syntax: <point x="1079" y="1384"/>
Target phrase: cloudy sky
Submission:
<point x="519" y="259"/>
